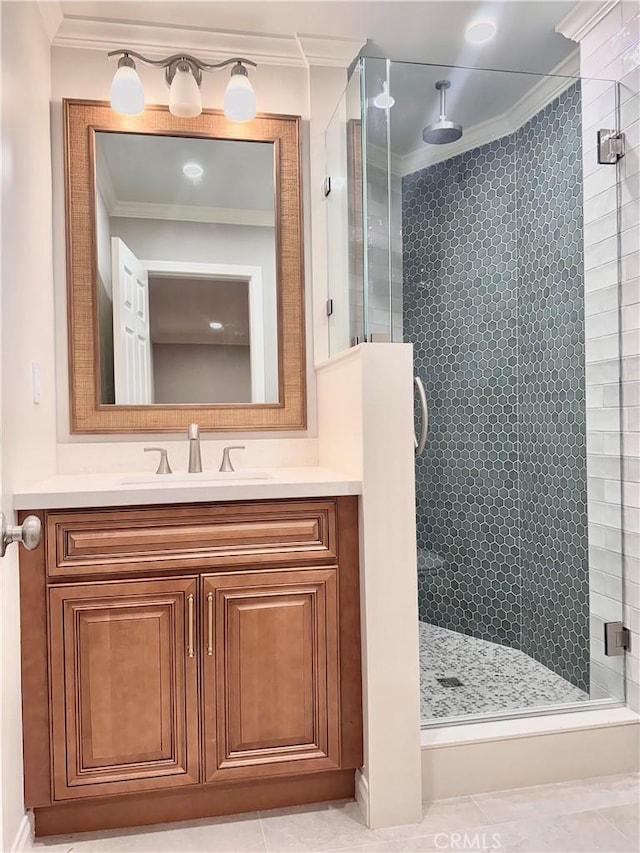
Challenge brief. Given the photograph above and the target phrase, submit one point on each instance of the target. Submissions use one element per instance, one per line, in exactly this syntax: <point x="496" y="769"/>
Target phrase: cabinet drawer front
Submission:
<point x="271" y="693"/>
<point x="124" y="687"/>
<point x="223" y="536"/>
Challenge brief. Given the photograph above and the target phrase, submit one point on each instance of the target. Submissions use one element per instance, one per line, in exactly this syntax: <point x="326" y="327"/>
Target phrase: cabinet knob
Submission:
<point x="29" y="533"/>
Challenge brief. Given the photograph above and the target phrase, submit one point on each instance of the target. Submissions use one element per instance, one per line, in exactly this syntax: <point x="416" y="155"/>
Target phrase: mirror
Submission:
<point x="184" y="262"/>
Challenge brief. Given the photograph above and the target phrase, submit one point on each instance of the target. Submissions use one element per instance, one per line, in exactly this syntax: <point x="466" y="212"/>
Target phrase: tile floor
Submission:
<point x="494" y="678"/>
<point x="570" y="817"/>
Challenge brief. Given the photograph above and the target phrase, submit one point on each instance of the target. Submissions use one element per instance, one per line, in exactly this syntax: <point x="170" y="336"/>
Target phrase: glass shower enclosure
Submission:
<point x="456" y="222"/>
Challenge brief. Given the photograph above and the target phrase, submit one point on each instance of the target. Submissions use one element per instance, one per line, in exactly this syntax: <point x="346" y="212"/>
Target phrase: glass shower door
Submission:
<point x="475" y="255"/>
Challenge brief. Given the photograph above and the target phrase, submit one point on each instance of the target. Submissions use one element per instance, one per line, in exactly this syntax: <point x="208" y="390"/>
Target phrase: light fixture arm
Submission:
<point x="185" y="57"/>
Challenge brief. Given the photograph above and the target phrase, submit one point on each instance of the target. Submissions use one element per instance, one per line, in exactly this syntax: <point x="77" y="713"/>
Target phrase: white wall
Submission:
<point x="28" y="431"/>
<point x="609" y="51"/>
<point x="365" y="428"/>
<point x="201" y="373"/>
<point x="105" y="298"/>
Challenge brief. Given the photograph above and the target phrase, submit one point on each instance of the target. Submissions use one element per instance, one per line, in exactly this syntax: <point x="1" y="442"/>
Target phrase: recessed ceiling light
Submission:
<point x="384" y="99"/>
<point x="216" y="326"/>
<point x="481" y="30"/>
<point x="193" y="171"/>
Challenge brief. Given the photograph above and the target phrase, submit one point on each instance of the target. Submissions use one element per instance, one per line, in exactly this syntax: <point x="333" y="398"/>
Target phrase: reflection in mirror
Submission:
<point x="186" y="263"/>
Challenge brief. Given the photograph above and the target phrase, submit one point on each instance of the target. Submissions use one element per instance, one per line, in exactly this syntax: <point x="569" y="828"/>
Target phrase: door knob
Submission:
<point x="29" y="533"/>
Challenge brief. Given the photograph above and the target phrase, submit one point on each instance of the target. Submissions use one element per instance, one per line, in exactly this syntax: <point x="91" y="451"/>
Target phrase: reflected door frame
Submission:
<point x="230" y="272"/>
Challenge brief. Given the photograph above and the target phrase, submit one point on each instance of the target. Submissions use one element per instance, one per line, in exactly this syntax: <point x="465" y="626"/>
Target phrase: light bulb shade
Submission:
<point x="239" y="98"/>
<point x="185" y="100"/>
<point x="127" y="94"/>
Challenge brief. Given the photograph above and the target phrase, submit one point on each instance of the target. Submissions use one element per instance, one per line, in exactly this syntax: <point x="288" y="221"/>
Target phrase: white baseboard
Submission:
<point x="362" y="795"/>
<point x="481" y="757"/>
<point x="23" y="835"/>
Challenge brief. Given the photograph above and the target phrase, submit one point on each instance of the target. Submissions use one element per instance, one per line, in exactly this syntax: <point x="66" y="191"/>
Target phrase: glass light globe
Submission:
<point x="239" y="99"/>
<point x="127" y="94"/>
<point x="185" y="100"/>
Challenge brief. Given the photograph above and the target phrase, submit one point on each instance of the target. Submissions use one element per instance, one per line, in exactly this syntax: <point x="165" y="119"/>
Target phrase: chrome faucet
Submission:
<point x="195" y="459"/>
<point x="226" y="465"/>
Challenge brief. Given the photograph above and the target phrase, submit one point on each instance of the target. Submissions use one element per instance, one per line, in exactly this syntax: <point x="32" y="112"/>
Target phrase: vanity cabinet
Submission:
<point x="191" y="660"/>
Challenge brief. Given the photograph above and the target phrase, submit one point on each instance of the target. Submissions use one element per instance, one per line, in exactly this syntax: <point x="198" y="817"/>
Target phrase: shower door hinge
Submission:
<point x="610" y="147"/>
<point x="617" y="639"/>
<point x="329" y="307"/>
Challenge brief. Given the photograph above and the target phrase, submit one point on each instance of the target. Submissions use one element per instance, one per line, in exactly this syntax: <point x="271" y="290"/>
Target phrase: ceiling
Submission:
<point x="148" y="169"/>
<point x="180" y="310"/>
<point x="431" y="31"/>
<point x="488" y="105"/>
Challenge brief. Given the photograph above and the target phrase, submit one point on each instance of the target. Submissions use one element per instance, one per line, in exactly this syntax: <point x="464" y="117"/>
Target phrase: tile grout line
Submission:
<point x="611" y="823"/>
<point x="483" y="811"/>
<point x="264" y="835"/>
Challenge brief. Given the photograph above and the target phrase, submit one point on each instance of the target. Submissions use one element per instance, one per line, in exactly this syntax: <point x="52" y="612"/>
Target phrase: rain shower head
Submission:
<point x="442" y="131"/>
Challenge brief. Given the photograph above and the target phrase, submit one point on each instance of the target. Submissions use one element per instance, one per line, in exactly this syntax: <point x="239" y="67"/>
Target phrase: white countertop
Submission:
<point x="69" y="491"/>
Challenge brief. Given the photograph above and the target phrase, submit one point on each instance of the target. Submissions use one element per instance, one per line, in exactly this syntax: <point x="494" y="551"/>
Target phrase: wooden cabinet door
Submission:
<point x="124" y="686"/>
<point x="271" y="680"/>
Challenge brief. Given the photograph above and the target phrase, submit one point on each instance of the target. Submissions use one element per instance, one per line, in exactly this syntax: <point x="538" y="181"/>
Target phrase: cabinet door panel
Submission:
<point x="124" y="689"/>
<point x="271" y="682"/>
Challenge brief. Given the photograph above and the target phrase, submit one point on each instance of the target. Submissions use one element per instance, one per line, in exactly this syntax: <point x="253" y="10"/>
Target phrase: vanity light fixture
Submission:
<point x="481" y="30"/>
<point x="183" y="74"/>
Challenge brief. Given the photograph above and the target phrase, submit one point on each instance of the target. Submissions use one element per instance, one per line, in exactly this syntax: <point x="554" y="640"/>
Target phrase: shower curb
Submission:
<point x="479" y="757"/>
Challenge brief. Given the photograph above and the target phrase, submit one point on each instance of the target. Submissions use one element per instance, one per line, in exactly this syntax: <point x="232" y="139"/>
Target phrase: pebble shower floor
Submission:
<point x="494" y="678"/>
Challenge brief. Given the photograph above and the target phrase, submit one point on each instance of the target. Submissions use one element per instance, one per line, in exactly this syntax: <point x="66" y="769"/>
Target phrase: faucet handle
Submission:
<point x="226" y="465"/>
<point x="163" y="465"/>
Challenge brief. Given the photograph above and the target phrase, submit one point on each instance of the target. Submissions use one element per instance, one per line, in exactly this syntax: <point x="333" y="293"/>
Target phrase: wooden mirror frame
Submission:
<point x="88" y="414"/>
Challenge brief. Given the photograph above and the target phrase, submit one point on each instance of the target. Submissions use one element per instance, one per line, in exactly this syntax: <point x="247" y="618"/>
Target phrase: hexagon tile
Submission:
<point x="493" y="304"/>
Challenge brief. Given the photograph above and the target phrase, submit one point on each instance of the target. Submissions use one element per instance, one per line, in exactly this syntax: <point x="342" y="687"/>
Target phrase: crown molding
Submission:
<point x="329" y="51"/>
<point x="537" y="98"/>
<point x="192" y="213"/>
<point x="474" y="137"/>
<point x="157" y="41"/>
<point x="582" y="19"/>
<point x="52" y="16"/>
<point x="547" y="89"/>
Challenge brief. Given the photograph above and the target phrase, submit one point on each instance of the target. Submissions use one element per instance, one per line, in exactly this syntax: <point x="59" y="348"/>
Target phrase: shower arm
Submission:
<point x="443" y="103"/>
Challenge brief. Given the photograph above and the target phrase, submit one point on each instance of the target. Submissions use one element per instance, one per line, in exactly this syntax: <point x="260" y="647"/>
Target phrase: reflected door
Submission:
<point x="131" y="332"/>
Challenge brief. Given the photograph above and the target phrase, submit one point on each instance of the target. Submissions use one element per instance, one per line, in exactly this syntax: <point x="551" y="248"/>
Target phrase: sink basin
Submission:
<point x="206" y="478"/>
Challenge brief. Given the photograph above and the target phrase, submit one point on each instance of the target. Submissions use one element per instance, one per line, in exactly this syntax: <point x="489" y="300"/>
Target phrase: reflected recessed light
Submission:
<point x="384" y="99"/>
<point x="193" y="171"/>
<point x="216" y="326"/>
<point x="480" y="31"/>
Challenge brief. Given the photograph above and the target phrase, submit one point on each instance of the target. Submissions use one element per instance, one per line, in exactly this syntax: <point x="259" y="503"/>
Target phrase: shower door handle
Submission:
<point x="419" y="442"/>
